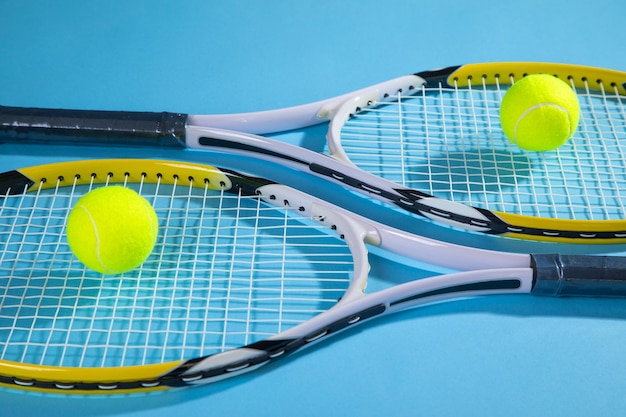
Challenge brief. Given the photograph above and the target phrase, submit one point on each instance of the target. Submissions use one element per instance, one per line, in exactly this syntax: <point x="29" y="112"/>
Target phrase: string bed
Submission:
<point x="227" y="271"/>
<point x="448" y="142"/>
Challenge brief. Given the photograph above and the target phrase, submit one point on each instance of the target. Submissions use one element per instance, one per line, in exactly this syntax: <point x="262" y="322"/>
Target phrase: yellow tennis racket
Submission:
<point x="429" y="143"/>
<point x="245" y="272"/>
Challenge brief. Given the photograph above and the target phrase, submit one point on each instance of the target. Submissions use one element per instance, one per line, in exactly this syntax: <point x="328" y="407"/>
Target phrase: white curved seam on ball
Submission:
<point x="537" y="106"/>
<point x="95" y="229"/>
<point x="148" y="209"/>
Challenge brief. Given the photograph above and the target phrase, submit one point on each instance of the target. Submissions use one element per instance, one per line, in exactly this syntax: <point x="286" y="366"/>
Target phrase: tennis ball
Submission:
<point x="539" y="113"/>
<point x="112" y="229"/>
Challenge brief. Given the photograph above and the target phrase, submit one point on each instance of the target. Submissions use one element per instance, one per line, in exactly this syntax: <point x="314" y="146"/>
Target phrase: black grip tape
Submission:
<point x="579" y="275"/>
<point x="96" y="127"/>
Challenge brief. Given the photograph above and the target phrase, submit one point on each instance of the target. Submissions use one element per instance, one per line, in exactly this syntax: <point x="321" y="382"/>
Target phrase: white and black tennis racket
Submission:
<point x="245" y="272"/>
<point x="430" y="143"/>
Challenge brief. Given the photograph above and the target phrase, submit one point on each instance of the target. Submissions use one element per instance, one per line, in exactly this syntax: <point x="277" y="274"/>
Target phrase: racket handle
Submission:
<point x="579" y="275"/>
<point x="95" y="127"/>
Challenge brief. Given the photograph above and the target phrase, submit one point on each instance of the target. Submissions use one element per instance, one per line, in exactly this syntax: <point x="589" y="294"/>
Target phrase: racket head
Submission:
<point x="232" y="269"/>
<point x="439" y="145"/>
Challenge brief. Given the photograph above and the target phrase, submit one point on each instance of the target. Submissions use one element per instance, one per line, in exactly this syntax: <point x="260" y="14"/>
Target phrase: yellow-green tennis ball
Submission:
<point x="112" y="229"/>
<point x="539" y="113"/>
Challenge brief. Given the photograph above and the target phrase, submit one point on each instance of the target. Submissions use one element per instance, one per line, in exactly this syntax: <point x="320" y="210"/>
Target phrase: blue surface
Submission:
<point x="513" y="355"/>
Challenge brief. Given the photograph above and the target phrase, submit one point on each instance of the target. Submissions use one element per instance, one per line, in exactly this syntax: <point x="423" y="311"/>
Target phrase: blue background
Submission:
<point x="510" y="355"/>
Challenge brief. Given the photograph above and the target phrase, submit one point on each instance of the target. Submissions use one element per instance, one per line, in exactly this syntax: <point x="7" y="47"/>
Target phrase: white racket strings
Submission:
<point x="228" y="270"/>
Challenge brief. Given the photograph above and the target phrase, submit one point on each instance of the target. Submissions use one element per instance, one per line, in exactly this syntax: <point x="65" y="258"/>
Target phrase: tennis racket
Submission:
<point x="430" y="143"/>
<point x="245" y="272"/>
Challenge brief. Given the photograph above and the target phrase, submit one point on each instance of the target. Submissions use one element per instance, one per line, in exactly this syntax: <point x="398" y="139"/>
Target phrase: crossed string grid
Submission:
<point x="226" y="271"/>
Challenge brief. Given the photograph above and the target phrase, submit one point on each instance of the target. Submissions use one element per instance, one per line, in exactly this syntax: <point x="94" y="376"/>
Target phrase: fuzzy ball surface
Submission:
<point x="112" y="229"/>
<point x="539" y="113"/>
